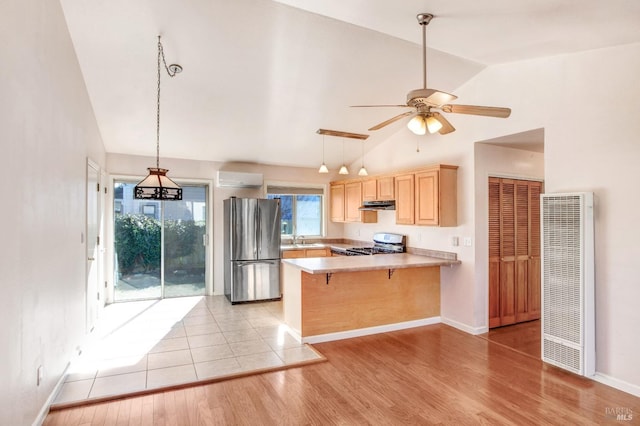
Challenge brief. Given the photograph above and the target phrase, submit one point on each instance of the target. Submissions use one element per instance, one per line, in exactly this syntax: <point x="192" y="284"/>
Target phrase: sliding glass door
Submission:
<point x="185" y="229"/>
<point x="159" y="246"/>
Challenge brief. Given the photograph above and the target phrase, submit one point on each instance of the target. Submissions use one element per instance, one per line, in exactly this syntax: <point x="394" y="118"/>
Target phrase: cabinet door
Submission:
<point x="427" y="198"/>
<point x="353" y="200"/>
<point x="317" y="252"/>
<point x="385" y="188"/>
<point x="369" y="190"/>
<point x="292" y="254"/>
<point x="336" y="196"/>
<point x="405" y="193"/>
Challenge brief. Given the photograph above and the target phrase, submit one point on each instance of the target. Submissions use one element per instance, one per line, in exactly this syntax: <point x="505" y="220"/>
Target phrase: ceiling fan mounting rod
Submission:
<point x="423" y="20"/>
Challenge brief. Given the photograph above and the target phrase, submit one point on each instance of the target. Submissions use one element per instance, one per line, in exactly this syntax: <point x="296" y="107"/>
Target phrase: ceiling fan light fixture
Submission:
<point x="418" y="125"/>
<point x="433" y="125"/>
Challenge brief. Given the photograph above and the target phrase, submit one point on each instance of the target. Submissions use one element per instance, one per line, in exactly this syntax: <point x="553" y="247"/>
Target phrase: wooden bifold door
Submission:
<point x="514" y="251"/>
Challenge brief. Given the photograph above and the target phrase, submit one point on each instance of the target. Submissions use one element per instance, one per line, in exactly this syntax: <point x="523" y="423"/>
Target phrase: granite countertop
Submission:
<point x="329" y="265"/>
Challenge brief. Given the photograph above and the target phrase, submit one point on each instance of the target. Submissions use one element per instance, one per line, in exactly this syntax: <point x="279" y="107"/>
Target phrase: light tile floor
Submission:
<point x="154" y="344"/>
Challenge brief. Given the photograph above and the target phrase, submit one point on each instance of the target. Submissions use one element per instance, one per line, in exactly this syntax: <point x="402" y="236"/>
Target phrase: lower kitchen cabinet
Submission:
<point x="310" y="252"/>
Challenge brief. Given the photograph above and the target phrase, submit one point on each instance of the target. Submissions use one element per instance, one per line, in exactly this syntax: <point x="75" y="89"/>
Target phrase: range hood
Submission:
<point x="378" y="205"/>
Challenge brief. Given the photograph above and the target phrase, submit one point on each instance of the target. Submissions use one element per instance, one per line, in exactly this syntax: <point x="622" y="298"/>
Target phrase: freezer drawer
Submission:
<point x="254" y="280"/>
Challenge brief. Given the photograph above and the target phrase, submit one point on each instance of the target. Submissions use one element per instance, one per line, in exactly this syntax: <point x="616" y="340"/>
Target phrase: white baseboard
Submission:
<point x="42" y="414"/>
<point x="464" y="327"/>
<point x="320" y="338"/>
<point x="617" y="383"/>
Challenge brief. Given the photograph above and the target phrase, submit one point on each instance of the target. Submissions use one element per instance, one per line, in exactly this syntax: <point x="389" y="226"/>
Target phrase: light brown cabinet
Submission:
<point x="310" y="252"/>
<point x="336" y="202"/>
<point x="345" y="200"/>
<point x="385" y="188"/>
<point x="405" y="199"/>
<point x="514" y="251"/>
<point x="352" y="201"/>
<point x="426" y="196"/>
<point x="436" y="197"/>
<point x="369" y="190"/>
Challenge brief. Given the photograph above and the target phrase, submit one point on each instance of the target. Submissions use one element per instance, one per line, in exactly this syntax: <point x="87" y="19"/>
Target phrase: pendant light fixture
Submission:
<point x="338" y="133"/>
<point x="157" y="186"/>
<point x="343" y="168"/>
<point x="323" y="167"/>
<point x="363" y="171"/>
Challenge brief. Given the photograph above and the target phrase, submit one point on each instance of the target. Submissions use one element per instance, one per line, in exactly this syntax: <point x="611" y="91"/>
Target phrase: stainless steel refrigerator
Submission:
<point x="251" y="249"/>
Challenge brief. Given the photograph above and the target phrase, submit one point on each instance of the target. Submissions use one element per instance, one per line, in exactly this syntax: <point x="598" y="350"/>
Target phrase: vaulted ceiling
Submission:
<point x="260" y="76"/>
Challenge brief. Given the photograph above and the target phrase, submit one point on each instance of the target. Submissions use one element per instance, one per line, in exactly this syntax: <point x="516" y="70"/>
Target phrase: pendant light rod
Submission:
<point x="157" y="185"/>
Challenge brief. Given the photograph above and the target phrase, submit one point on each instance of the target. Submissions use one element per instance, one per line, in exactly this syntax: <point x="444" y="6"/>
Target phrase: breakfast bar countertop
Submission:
<point x="330" y="265"/>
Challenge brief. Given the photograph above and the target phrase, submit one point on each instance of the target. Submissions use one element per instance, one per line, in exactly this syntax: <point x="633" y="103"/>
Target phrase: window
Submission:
<point x="301" y="209"/>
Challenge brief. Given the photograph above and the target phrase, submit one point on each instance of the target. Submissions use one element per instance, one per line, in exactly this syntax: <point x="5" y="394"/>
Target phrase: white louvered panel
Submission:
<point x="567" y="274"/>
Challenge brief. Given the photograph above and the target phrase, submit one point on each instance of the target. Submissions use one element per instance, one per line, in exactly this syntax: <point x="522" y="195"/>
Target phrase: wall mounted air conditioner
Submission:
<point x="568" y="283"/>
<point x="239" y="180"/>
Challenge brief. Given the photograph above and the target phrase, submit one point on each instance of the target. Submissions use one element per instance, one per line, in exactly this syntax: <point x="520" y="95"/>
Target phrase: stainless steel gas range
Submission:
<point x="383" y="243"/>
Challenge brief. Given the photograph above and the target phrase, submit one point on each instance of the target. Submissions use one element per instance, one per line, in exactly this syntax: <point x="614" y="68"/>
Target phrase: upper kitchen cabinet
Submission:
<point x="345" y="201"/>
<point x="380" y="188"/>
<point x="436" y="196"/>
<point x="405" y="199"/>
<point x="369" y="190"/>
<point x="336" y="202"/>
<point x="385" y="188"/>
<point x="427" y="196"/>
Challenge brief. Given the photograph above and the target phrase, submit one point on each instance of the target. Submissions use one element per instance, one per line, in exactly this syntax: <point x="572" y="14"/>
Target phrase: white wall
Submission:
<point x="48" y="131"/>
<point x="136" y="166"/>
<point x="587" y="104"/>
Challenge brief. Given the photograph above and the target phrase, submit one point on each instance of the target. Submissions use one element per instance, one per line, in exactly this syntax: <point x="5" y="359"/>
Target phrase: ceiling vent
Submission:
<point x="239" y="180"/>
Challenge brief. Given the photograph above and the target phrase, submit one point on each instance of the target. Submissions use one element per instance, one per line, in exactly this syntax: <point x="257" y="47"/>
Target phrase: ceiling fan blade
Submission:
<point x="446" y="126"/>
<point x="376" y="106"/>
<point x="486" y="111"/>
<point x="391" y="120"/>
<point x="439" y="98"/>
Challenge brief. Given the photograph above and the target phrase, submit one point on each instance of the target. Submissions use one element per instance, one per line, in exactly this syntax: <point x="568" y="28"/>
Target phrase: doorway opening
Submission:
<point x="160" y="247"/>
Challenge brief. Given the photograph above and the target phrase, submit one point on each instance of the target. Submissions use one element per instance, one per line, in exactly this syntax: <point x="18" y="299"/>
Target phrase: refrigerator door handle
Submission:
<point x="259" y="231"/>
<point x="251" y="262"/>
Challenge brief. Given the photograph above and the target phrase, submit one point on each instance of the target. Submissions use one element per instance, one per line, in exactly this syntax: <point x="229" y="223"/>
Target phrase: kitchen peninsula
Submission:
<point x="331" y="298"/>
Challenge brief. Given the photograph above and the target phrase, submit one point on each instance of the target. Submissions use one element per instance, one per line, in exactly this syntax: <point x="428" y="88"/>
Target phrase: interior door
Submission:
<point x="92" y="245"/>
<point x="514" y="251"/>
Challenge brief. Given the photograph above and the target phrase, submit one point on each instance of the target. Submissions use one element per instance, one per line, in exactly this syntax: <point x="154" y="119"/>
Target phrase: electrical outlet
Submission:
<point x="40" y="375"/>
<point x="466" y="241"/>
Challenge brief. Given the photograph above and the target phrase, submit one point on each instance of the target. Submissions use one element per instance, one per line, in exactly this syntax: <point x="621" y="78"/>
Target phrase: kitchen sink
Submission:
<point x="301" y="246"/>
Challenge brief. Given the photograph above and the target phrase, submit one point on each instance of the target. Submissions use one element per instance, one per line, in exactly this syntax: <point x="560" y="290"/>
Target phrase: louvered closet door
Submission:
<point x="514" y="251"/>
<point x="494" y="252"/>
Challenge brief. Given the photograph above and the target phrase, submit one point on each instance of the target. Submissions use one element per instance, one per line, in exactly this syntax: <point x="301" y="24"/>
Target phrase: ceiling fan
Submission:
<point x="426" y="102"/>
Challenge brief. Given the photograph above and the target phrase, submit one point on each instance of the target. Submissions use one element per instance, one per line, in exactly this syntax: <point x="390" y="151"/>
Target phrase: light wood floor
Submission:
<point x="523" y="337"/>
<point x="427" y="375"/>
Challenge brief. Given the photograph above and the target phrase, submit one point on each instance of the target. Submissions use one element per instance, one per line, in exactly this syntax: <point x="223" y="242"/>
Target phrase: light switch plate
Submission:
<point x="466" y="241"/>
